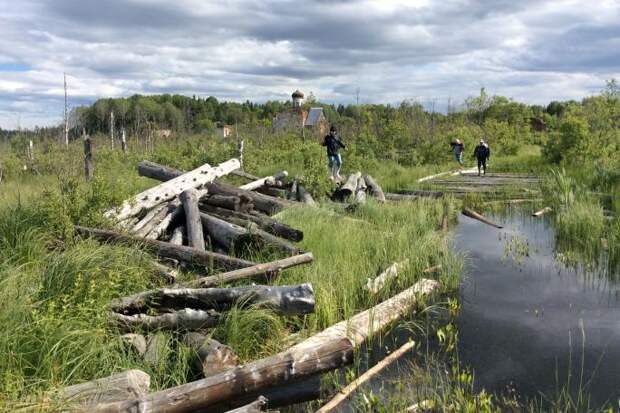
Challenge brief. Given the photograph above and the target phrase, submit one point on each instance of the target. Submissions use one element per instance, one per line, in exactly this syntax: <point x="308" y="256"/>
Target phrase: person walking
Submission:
<point x="458" y="148"/>
<point x="333" y="143"/>
<point x="482" y="154"/>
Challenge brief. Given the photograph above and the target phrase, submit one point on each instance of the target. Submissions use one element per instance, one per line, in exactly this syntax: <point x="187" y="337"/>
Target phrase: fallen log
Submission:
<point x="136" y="342"/>
<point x="263" y="203"/>
<point x="348" y="188"/>
<point x="120" y="386"/>
<point x="542" y="212"/>
<point x="264" y="181"/>
<point x="142" y="227"/>
<point x="399" y="197"/>
<point x="304" y="196"/>
<point x="473" y="214"/>
<point x="293" y="193"/>
<point x="266" y="269"/>
<point x="421" y="193"/>
<point x="273" y="191"/>
<point x="186" y="319"/>
<point x="243" y="174"/>
<point x="178" y="235"/>
<point x="169" y="274"/>
<point x="157" y="349"/>
<point x="233" y="237"/>
<point x="174" y="213"/>
<point x="169" y="189"/>
<point x="360" y="191"/>
<point x="193" y="223"/>
<point x="343" y="394"/>
<point x="234" y="203"/>
<point x="254" y="407"/>
<point x="264" y="222"/>
<point x="328" y="350"/>
<point x="169" y="250"/>
<point x="374" y="285"/>
<point x="289" y="300"/>
<point x="159" y="172"/>
<point x="212" y="357"/>
<point x="375" y="190"/>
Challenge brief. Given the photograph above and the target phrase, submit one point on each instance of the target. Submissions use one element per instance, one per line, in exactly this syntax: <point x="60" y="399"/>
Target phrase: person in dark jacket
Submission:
<point x="482" y="154"/>
<point x="334" y="161"/>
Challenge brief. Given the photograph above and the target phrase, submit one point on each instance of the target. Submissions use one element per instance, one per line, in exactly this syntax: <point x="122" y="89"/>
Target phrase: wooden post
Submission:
<point x="112" y="129"/>
<point x="195" y="236"/>
<point x="123" y="141"/>
<point x="89" y="168"/>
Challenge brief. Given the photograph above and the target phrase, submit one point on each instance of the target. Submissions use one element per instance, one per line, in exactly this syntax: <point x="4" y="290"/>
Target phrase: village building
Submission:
<point x="224" y="131"/>
<point x="313" y="120"/>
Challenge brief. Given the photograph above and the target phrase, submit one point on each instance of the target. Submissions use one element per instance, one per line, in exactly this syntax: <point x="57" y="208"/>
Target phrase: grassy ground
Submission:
<point x="54" y="289"/>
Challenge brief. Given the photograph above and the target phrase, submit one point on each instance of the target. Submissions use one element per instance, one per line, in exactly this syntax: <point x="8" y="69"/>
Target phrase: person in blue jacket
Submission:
<point x="333" y="143"/>
<point x="482" y="154"/>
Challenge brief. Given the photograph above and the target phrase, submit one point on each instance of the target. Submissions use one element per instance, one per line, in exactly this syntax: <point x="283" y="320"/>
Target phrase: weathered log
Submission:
<point x="374" y="285"/>
<point x="234" y="203"/>
<point x="348" y="188"/>
<point x="168" y="250"/>
<point x="294" y="193"/>
<point x="399" y="197"/>
<point x="174" y="213"/>
<point x="542" y="212"/>
<point x="233" y="236"/>
<point x="374" y="189"/>
<point x="154" y="222"/>
<point x="421" y="193"/>
<point x="273" y="191"/>
<point x="212" y="357"/>
<point x="330" y="349"/>
<point x="164" y="271"/>
<point x="360" y="191"/>
<point x="138" y="227"/>
<point x="169" y="189"/>
<point x="294" y="364"/>
<point x="243" y="174"/>
<point x="264" y="222"/>
<point x="264" y="181"/>
<point x="159" y="172"/>
<point x="137" y="342"/>
<point x="473" y="214"/>
<point x="255" y="407"/>
<point x="186" y="319"/>
<point x="157" y="349"/>
<point x="193" y="223"/>
<point x="178" y="235"/>
<point x="266" y="269"/>
<point x="304" y="196"/>
<point x="120" y="386"/>
<point x="263" y="203"/>
<point x="290" y="300"/>
<point x="344" y="393"/>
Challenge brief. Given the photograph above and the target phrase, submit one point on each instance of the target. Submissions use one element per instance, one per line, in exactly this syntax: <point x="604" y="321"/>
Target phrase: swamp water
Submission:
<point x="528" y="322"/>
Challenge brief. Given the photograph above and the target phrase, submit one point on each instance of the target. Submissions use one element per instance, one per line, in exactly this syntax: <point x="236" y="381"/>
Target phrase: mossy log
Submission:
<point x="290" y="300"/>
<point x="168" y="250"/>
<point x="172" y="188"/>
<point x="269" y="269"/>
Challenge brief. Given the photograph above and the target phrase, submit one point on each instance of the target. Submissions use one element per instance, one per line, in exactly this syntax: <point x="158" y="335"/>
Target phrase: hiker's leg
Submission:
<point x="484" y="165"/>
<point x="338" y="163"/>
<point x="479" y="165"/>
<point x="330" y="166"/>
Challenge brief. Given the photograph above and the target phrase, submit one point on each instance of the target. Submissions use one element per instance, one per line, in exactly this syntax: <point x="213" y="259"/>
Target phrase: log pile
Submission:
<point x="356" y="187"/>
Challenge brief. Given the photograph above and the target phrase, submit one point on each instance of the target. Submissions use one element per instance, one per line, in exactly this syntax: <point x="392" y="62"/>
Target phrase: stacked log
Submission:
<point x="357" y="186"/>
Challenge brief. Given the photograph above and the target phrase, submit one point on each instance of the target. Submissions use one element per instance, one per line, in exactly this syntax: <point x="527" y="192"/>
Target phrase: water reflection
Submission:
<point x="523" y="315"/>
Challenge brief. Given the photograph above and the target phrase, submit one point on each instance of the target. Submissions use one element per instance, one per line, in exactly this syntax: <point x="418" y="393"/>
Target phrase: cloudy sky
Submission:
<point x="391" y="50"/>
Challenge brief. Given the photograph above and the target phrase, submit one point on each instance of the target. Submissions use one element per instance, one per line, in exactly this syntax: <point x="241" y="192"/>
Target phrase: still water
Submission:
<point x="528" y="321"/>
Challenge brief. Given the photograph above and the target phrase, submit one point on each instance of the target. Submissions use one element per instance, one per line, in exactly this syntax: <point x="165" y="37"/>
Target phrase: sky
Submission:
<point x="383" y="51"/>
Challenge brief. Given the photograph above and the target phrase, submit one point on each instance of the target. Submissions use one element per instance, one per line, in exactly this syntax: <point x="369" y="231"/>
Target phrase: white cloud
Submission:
<point x="392" y="50"/>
